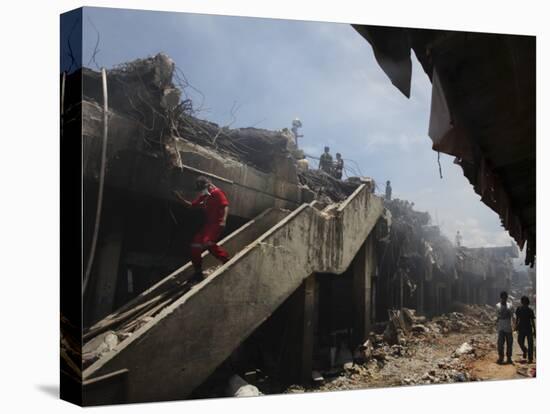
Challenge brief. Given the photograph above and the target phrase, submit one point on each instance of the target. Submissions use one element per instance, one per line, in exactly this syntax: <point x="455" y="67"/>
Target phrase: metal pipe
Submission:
<point x="225" y="180"/>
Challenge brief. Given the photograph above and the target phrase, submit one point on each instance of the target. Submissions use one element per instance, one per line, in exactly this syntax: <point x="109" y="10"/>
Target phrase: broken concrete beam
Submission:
<point x="170" y="98"/>
<point x="238" y="387"/>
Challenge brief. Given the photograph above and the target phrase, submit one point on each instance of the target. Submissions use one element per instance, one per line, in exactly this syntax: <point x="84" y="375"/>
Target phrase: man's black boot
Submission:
<point x="197" y="277"/>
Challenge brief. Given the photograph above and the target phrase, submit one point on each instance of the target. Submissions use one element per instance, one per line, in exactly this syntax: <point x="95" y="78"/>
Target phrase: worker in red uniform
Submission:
<point x="213" y="202"/>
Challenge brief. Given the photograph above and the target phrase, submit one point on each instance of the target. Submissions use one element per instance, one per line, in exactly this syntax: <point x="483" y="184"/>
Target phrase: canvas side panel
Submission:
<point x="71" y="206"/>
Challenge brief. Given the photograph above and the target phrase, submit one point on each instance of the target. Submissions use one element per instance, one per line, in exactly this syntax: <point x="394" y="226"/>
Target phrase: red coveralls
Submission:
<point x="213" y="206"/>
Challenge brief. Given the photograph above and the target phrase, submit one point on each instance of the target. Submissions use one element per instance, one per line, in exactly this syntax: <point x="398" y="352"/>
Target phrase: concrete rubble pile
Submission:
<point x="326" y="188"/>
<point x="152" y="93"/>
<point x="408" y="242"/>
<point x="404" y="326"/>
<point x="413" y="254"/>
<point x="476" y="316"/>
<point x="403" y="336"/>
<point x="418" y="236"/>
<point x="450" y="369"/>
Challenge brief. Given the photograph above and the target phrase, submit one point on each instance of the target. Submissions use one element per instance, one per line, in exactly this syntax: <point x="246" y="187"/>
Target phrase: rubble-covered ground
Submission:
<point x="456" y="347"/>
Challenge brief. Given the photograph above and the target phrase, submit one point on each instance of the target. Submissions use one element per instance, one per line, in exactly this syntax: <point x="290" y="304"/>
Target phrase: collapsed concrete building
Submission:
<point x="420" y="268"/>
<point x="485" y="272"/>
<point x="315" y="263"/>
<point x="278" y="233"/>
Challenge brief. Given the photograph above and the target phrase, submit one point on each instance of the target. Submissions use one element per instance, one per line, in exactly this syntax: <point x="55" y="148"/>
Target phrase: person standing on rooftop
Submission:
<point x="388" y="190"/>
<point x="325" y="162"/>
<point x="338" y="166"/>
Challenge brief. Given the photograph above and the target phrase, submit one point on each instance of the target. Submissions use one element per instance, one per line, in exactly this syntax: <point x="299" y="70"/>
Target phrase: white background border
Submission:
<point x="29" y="227"/>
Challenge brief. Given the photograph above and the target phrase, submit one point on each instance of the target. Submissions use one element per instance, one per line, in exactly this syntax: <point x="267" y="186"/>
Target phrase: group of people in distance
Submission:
<point x="522" y="321"/>
<point x="333" y="168"/>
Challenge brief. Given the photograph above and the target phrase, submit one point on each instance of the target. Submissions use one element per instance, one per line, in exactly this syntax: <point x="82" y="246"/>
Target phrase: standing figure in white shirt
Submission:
<point x="505" y="315"/>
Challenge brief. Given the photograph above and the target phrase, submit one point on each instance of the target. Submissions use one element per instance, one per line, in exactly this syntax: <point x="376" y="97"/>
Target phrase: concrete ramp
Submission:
<point x="174" y="285"/>
<point x="194" y="332"/>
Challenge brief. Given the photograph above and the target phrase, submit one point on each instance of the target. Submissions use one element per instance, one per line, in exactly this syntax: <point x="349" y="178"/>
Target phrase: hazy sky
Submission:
<point x="323" y="73"/>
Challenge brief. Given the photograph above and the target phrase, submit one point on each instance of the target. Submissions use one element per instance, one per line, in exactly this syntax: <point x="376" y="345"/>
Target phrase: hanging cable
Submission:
<point x="101" y="181"/>
<point x="62" y="110"/>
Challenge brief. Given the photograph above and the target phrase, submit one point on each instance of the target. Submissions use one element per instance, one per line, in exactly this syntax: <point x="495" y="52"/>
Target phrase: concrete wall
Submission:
<point x="267" y="190"/>
<point x="174" y="353"/>
<point x="363" y="268"/>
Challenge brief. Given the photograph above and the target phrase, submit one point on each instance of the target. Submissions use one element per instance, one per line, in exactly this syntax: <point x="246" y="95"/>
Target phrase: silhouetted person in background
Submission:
<point x="525" y="325"/>
<point x="338" y="166"/>
<point x="325" y="162"/>
<point x="388" y="190"/>
<point x="458" y="239"/>
<point x="505" y="314"/>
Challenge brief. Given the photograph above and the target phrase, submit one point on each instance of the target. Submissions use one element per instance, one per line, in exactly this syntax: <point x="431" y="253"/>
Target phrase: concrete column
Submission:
<point x="483" y="293"/>
<point x="448" y="295"/>
<point x="359" y="268"/>
<point x="454" y="291"/>
<point x="437" y="298"/>
<point x="420" y="308"/>
<point x="299" y="360"/>
<point x="308" y="329"/>
<point x="106" y="274"/>
<point x="372" y="264"/>
<point x="401" y="288"/>
<point x="373" y="294"/>
<point x="363" y="266"/>
<point x="434" y="302"/>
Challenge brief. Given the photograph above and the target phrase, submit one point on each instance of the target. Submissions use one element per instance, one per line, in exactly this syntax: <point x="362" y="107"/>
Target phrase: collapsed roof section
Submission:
<point x="148" y="98"/>
<point x="487" y="261"/>
<point x="144" y="90"/>
<point x="416" y="248"/>
<point x="482" y="112"/>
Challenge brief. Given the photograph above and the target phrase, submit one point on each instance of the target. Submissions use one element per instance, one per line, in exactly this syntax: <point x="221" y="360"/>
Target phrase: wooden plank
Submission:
<point x="116" y="320"/>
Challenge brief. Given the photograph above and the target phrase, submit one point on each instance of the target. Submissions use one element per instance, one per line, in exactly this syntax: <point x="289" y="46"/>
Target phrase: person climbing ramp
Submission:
<point x="213" y="202"/>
